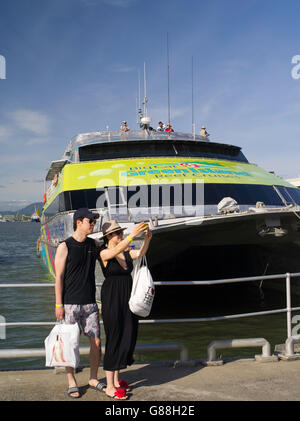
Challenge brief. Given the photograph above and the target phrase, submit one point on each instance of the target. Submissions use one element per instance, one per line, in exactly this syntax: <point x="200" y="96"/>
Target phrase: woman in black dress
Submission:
<point x="120" y="324"/>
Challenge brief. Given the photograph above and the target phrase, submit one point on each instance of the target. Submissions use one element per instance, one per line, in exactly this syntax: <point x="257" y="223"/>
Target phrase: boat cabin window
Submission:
<point x="294" y="194"/>
<point x="289" y="196"/>
<point x="159" y="148"/>
<point x="144" y="201"/>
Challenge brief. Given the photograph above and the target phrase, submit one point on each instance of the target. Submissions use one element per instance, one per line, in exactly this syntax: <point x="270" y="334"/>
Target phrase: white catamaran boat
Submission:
<point x="212" y="213"/>
<point x="3" y="219"/>
<point x="35" y="217"/>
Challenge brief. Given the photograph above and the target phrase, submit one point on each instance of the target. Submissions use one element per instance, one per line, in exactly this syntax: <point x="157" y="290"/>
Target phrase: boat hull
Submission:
<point x="203" y="248"/>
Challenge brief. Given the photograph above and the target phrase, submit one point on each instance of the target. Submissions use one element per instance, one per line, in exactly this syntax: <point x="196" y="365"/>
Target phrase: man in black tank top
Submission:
<point x="75" y="290"/>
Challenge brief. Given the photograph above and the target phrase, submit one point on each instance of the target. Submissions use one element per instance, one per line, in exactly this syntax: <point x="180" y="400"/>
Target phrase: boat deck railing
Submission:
<point x="132" y="135"/>
<point x="108" y="136"/>
<point x="288" y="309"/>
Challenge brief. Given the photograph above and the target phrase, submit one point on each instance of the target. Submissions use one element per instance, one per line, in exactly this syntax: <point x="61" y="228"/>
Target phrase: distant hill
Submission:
<point x="28" y="210"/>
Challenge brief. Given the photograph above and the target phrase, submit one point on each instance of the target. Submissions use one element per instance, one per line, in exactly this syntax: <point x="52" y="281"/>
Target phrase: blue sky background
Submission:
<point x="72" y="66"/>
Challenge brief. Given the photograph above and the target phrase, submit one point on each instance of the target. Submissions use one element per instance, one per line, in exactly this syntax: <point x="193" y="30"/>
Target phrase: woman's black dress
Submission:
<point x="120" y="324"/>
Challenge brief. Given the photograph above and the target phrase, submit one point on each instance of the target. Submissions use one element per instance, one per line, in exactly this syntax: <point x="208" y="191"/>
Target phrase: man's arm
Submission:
<point x="60" y="264"/>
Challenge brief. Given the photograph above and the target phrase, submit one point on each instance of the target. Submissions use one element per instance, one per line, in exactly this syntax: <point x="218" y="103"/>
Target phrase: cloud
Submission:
<point x="21" y="158"/>
<point x="5" y="133"/>
<point x="37" y="141"/>
<point x="31" y="190"/>
<point x="233" y="66"/>
<point x="124" y="69"/>
<point x="160" y="113"/>
<point x="24" y="180"/>
<point x="211" y="104"/>
<point x="13" y="205"/>
<point x="33" y="121"/>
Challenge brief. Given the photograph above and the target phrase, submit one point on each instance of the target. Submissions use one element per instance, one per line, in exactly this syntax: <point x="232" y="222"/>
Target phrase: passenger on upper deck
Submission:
<point x="169" y="128"/>
<point x="160" y="127"/>
<point x="124" y="127"/>
<point x="55" y="180"/>
<point x="203" y="132"/>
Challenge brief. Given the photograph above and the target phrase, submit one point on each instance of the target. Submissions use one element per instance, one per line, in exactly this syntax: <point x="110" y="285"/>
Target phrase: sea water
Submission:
<point x="19" y="263"/>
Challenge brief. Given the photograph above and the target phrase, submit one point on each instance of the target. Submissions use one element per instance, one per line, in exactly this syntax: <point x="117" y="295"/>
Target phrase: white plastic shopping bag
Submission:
<point x="143" y="289"/>
<point x="62" y="346"/>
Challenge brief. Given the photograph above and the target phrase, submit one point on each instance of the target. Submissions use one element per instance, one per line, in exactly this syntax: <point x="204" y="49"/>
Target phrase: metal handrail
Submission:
<point x="238" y="343"/>
<point x="182" y="320"/>
<point x="288" y="309"/>
<point x="40" y="352"/>
<point x="172" y="283"/>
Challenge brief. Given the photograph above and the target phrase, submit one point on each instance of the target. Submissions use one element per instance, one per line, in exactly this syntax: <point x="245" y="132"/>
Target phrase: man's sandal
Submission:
<point x="100" y="387"/>
<point x="73" y="390"/>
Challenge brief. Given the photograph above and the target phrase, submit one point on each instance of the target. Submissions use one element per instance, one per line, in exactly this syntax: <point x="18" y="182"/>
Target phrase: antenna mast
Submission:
<point x="193" y="121"/>
<point x="169" y="117"/>
<point x="144" y="120"/>
<point x="139" y="87"/>
<point x="145" y="92"/>
<point x="139" y="111"/>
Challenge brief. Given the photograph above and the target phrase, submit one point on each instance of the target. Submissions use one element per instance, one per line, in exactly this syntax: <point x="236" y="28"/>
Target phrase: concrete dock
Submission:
<point x="236" y="380"/>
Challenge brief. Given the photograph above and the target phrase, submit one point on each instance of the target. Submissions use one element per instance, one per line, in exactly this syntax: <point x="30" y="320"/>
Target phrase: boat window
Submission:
<point x="160" y="200"/>
<point x="91" y="197"/>
<point x="180" y="194"/>
<point x="159" y="148"/>
<point x="78" y="199"/>
<point x="60" y="204"/>
<point x="114" y="196"/>
<point x="285" y="194"/>
<point x="164" y="195"/>
<point x="53" y="209"/>
<point x="293" y="194"/>
<point x="67" y="201"/>
<point x="243" y="194"/>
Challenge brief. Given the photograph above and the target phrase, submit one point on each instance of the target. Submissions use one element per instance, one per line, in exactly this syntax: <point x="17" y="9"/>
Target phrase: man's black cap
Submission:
<point x="85" y="213"/>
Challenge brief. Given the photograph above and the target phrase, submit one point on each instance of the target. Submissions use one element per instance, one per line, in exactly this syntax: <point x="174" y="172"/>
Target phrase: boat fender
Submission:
<point x="228" y="205"/>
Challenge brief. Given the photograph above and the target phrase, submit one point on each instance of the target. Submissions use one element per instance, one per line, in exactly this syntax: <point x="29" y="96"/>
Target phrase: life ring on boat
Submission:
<point x="44" y="198"/>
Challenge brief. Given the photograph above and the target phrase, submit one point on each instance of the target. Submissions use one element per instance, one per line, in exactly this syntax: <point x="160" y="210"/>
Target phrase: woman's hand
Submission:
<point x="148" y="235"/>
<point x="138" y="229"/>
<point x="143" y="250"/>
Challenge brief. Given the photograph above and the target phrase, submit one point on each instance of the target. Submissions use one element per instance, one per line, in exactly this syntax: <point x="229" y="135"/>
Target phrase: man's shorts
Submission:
<point x="87" y="316"/>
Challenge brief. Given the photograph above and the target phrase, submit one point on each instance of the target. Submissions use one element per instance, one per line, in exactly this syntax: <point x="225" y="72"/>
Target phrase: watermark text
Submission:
<point x="143" y="200"/>
<point x="2" y="67"/>
<point x="2" y="327"/>
<point x="296" y="69"/>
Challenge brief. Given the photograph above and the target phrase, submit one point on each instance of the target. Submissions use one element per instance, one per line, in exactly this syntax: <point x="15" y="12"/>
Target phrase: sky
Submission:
<point x="71" y="66"/>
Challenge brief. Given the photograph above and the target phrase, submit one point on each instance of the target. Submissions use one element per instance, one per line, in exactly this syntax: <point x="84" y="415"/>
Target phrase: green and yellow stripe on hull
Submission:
<point x="139" y="171"/>
<point x="47" y="252"/>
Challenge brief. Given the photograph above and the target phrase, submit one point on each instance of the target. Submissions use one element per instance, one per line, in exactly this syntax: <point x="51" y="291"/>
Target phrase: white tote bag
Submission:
<point x="143" y="289"/>
<point x="62" y="346"/>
